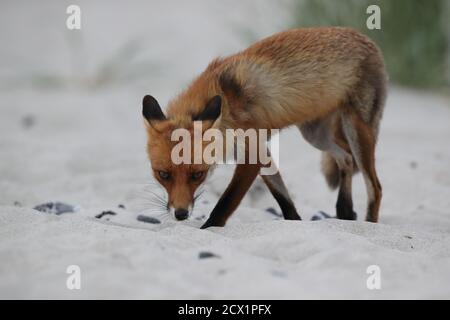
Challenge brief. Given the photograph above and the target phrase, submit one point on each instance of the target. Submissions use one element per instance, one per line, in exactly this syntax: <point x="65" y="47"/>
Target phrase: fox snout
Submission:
<point x="181" y="214"/>
<point x="180" y="201"/>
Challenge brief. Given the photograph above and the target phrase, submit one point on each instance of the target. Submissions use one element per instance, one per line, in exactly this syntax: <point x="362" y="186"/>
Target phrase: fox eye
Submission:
<point x="164" y="175"/>
<point x="197" y="175"/>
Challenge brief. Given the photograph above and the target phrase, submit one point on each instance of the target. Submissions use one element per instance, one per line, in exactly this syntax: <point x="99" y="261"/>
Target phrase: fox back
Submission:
<point x="290" y="78"/>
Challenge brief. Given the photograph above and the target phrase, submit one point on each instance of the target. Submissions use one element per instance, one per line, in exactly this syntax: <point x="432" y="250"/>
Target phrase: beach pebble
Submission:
<point x="274" y="212"/>
<point x="207" y="255"/>
<point x="147" y="219"/>
<point x="105" y="213"/>
<point x="320" y="216"/>
<point x="55" y="208"/>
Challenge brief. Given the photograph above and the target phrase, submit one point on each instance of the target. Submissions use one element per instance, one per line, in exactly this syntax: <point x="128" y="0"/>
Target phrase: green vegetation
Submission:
<point x="414" y="35"/>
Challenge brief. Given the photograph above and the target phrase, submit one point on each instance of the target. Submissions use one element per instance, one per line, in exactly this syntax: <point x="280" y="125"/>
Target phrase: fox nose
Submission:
<point x="181" y="214"/>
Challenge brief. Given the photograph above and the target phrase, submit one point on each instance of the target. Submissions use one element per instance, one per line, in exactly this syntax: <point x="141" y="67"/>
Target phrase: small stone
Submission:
<point x="274" y="212"/>
<point x="413" y="164"/>
<point x="121" y="206"/>
<point x="320" y="216"/>
<point x="207" y="255"/>
<point x="148" y="219"/>
<point x="105" y="213"/>
<point x="55" y="208"/>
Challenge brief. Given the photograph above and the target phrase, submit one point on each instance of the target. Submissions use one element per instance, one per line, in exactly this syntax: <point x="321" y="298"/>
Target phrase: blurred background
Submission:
<point x="150" y="41"/>
<point x="414" y="35"/>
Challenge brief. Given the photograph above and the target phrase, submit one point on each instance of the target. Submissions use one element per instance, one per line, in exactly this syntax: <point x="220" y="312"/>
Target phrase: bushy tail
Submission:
<point x="330" y="170"/>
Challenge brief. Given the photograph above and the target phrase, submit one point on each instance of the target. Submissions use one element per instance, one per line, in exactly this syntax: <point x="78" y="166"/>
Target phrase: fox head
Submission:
<point x="179" y="180"/>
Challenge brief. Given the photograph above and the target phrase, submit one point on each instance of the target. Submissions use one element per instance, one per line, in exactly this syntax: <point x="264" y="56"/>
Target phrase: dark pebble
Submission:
<point x="148" y="219"/>
<point x="320" y="216"/>
<point x="105" y="213"/>
<point x="55" y="208"/>
<point x="121" y="206"/>
<point x="207" y="255"/>
<point x="274" y="212"/>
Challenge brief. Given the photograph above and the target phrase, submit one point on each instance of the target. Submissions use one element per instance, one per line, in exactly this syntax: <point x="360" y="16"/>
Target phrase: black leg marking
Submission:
<point x="279" y="192"/>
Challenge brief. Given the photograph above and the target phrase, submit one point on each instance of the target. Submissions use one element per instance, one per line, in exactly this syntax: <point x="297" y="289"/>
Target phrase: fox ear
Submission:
<point x="151" y="109"/>
<point x="212" y="110"/>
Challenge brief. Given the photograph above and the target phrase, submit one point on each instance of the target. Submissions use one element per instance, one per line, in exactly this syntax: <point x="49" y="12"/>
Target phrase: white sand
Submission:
<point x="87" y="147"/>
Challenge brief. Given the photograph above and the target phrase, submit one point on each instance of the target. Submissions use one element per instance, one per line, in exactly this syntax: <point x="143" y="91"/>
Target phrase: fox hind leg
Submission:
<point x="337" y="162"/>
<point x="342" y="156"/>
<point x="344" y="204"/>
<point x="361" y="139"/>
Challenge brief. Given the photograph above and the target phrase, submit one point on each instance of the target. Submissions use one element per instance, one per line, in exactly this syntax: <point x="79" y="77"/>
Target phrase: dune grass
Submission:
<point x="414" y="35"/>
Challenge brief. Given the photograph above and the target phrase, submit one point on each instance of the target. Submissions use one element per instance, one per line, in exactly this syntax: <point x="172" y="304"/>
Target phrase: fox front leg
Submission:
<point x="243" y="177"/>
<point x="279" y="191"/>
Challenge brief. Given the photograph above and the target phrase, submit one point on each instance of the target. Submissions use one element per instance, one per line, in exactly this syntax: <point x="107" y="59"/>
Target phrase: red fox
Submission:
<point x="329" y="82"/>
